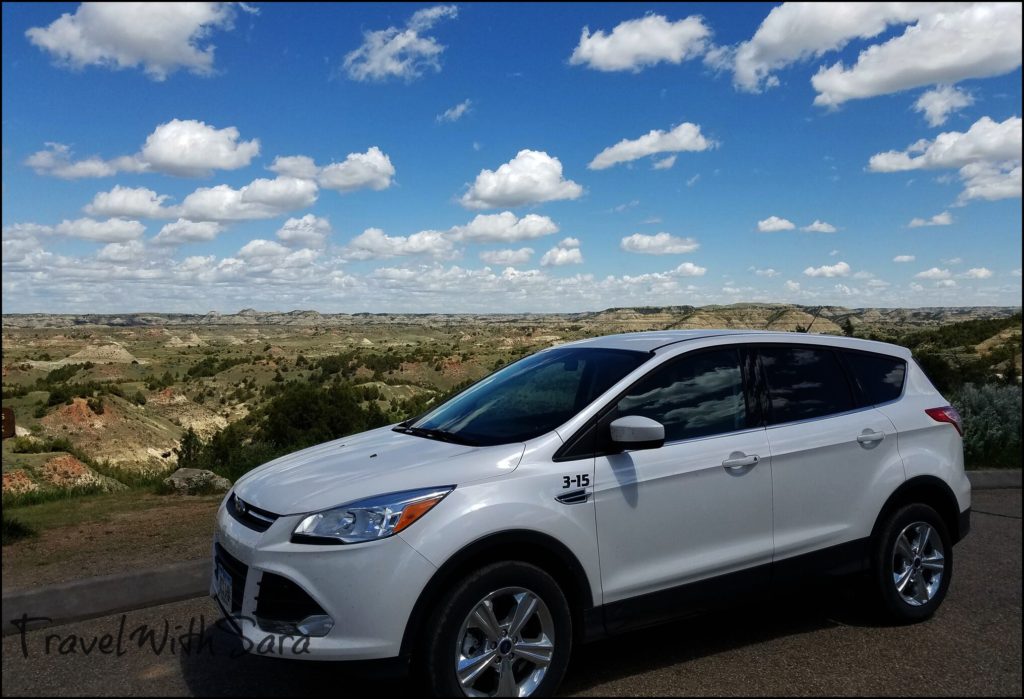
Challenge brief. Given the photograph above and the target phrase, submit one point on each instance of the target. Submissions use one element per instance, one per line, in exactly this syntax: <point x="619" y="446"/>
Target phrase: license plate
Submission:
<point x="223" y="587"/>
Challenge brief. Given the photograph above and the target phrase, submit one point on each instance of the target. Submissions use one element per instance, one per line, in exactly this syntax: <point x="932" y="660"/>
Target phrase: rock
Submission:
<point x="196" y="481"/>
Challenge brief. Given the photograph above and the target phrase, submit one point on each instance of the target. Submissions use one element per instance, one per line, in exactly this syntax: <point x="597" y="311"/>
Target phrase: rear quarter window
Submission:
<point x="881" y="377"/>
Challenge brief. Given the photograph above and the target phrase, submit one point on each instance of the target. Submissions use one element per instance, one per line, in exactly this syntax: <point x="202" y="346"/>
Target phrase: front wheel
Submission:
<point x="505" y="630"/>
<point x="913" y="563"/>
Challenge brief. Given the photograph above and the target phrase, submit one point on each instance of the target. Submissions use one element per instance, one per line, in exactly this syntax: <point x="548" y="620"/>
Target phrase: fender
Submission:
<point x="542" y="550"/>
<point x="931" y="491"/>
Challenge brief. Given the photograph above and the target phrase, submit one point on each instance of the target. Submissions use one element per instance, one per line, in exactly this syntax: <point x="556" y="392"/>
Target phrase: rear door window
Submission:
<point x="804" y="383"/>
<point x="880" y="377"/>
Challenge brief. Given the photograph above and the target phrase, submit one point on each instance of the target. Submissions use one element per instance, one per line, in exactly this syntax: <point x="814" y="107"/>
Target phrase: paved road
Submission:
<point x="821" y="642"/>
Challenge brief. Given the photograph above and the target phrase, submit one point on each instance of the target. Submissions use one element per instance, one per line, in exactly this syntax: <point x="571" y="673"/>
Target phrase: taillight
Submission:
<point x="947" y="414"/>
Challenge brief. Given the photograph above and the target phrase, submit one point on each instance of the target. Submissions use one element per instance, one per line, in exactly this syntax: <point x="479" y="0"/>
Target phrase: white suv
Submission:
<point x="595" y="487"/>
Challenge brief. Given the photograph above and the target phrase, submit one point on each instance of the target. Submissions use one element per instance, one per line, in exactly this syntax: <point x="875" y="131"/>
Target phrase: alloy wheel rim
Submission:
<point x="505" y="645"/>
<point x="918" y="563"/>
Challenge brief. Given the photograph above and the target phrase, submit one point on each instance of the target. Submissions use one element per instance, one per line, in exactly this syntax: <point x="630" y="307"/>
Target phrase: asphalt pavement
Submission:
<point x="816" y="641"/>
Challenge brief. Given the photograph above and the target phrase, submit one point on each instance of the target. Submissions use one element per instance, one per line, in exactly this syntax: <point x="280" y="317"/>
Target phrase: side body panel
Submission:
<point x="828" y="487"/>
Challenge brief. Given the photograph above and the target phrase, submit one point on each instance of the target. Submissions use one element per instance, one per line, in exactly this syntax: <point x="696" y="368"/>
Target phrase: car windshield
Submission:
<point x="528" y="398"/>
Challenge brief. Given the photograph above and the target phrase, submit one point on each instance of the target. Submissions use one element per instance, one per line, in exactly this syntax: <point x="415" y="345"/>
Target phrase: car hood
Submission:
<point x="367" y="464"/>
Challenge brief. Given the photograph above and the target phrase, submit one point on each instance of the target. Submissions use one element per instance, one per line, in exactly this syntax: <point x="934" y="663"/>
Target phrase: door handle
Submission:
<point x="870" y="437"/>
<point x="740" y="461"/>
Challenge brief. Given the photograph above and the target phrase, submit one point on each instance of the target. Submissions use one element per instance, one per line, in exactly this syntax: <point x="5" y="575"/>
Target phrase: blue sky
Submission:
<point x="489" y="158"/>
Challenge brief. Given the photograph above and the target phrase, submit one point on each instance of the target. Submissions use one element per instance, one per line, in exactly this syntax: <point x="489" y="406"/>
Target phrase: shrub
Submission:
<point x="14" y="530"/>
<point x="992" y="425"/>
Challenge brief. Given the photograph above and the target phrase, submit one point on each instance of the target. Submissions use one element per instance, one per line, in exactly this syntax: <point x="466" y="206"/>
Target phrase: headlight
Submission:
<point x="366" y="520"/>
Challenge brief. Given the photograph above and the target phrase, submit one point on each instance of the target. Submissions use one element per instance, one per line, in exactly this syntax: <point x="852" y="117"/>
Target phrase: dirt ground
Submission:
<point x="157" y="530"/>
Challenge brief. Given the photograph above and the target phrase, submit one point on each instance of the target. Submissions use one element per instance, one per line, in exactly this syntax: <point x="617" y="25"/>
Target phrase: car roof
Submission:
<point x="654" y="340"/>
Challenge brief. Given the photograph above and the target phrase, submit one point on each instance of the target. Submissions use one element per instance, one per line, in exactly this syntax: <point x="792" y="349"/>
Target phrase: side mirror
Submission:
<point x="637" y="432"/>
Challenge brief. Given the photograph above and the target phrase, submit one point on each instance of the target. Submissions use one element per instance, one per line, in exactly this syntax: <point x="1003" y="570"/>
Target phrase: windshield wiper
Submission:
<point x="439" y="435"/>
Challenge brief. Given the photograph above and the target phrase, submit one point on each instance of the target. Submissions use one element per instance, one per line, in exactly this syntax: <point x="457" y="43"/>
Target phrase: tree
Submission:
<point x="190" y="450"/>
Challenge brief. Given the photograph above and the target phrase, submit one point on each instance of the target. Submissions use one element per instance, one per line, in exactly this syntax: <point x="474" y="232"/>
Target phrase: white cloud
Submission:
<point x="904" y="258"/>
<point x="192" y="148"/>
<point x="309" y="231"/>
<point x="986" y="37"/>
<point x="988" y="156"/>
<point x="977" y="273"/>
<point x="948" y="44"/>
<point x="943" y="219"/>
<point x="639" y="43"/>
<point x="301" y="166"/>
<point x="505" y="227"/>
<point x="693" y="180"/>
<point x="453" y="114"/>
<point x="373" y="243"/>
<point x="991" y="181"/>
<point x="128" y="202"/>
<point x="938" y="104"/>
<point x="369" y="170"/>
<point x="947" y="283"/>
<point x="261" y="198"/>
<point x="839" y="269"/>
<point x="820" y="227"/>
<point x="55" y="160"/>
<point x="1016" y="272"/>
<point x="187" y="148"/>
<point x="953" y="261"/>
<point x="666" y="163"/>
<point x="985" y="141"/>
<point x="258" y="248"/>
<point x="567" y="252"/>
<point x="792" y="285"/>
<point x="769" y="272"/>
<point x="688" y="269"/>
<point x="531" y="177"/>
<point x="658" y="244"/>
<point x="185" y="231"/>
<point x="114" y="230"/>
<point x="162" y="37"/>
<point x="399" y="53"/>
<point x="685" y="137"/>
<point x="795" y="32"/>
<point x="130" y="251"/>
<point x="507" y="257"/>
<point x="933" y="273"/>
<point x="773" y="224"/>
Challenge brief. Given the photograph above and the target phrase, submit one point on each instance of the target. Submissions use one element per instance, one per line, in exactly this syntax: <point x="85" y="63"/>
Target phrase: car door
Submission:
<point x="696" y="508"/>
<point x="833" y="460"/>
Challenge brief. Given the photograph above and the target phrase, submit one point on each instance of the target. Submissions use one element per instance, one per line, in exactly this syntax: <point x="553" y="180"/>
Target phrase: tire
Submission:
<point x="911" y="583"/>
<point x="456" y="634"/>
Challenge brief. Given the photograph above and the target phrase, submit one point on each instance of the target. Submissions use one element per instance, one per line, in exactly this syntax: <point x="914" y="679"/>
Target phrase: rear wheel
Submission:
<point x="505" y="630"/>
<point x="913" y="563"/>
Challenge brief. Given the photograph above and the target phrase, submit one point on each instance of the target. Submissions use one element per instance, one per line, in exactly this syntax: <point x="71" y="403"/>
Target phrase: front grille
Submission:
<point x="252" y="517"/>
<point x="238" y="572"/>
<point x="281" y="600"/>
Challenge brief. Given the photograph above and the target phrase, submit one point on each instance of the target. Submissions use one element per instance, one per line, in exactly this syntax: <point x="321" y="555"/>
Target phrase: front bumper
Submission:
<point x="368" y="590"/>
